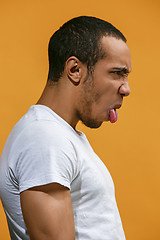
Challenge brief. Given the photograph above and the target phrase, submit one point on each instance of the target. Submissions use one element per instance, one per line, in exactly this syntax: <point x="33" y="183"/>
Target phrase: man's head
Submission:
<point x="79" y="37"/>
<point x="90" y="60"/>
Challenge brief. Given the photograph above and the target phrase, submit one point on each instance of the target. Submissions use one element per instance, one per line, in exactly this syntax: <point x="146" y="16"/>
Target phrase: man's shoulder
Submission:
<point x="38" y="128"/>
<point x="38" y="120"/>
<point x="42" y="131"/>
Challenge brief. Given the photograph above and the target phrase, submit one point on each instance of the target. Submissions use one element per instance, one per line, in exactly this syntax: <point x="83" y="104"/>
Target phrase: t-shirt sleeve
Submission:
<point x="46" y="156"/>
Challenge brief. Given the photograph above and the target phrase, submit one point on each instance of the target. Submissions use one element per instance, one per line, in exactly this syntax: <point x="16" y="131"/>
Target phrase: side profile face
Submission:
<point x="102" y="92"/>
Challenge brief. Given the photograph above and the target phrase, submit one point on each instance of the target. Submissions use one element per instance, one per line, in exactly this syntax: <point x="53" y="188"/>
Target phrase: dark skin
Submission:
<point x="47" y="209"/>
<point x="47" y="212"/>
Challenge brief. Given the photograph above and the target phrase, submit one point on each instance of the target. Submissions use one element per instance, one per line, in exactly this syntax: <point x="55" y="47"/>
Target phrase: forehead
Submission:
<point x="117" y="53"/>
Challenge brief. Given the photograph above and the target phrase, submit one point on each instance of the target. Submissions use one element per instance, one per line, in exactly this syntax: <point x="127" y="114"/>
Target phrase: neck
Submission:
<point x="60" y="98"/>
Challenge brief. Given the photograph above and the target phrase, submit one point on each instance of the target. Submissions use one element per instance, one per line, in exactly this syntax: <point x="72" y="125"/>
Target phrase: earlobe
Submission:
<point x="73" y="70"/>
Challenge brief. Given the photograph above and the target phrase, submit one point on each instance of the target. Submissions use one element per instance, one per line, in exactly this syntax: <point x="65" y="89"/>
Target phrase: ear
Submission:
<point x="74" y="70"/>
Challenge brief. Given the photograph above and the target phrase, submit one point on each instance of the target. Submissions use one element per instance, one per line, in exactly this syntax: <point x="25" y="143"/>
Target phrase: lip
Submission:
<point x="117" y="106"/>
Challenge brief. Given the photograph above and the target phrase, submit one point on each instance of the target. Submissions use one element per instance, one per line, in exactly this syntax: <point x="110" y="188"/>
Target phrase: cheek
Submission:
<point x="106" y="94"/>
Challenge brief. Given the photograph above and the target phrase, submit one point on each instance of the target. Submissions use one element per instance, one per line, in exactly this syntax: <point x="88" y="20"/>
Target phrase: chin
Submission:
<point x="92" y="124"/>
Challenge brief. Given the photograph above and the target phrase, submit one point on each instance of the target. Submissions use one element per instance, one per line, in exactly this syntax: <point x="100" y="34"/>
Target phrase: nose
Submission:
<point x="124" y="89"/>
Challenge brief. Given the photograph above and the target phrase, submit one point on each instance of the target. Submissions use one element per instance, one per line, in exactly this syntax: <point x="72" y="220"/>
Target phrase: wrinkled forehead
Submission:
<point x="117" y="53"/>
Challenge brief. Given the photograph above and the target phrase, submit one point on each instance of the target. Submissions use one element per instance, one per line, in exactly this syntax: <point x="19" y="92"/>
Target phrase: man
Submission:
<point x="49" y="172"/>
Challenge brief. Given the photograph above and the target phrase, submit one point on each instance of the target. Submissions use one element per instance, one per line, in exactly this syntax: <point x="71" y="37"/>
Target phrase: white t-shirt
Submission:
<point x="43" y="148"/>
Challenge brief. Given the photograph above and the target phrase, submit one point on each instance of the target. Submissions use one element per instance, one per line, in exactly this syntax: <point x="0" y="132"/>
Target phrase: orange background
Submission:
<point x="129" y="148"/>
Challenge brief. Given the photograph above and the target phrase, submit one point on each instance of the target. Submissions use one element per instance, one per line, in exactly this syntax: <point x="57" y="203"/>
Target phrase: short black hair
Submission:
<point x="79" y="37"/>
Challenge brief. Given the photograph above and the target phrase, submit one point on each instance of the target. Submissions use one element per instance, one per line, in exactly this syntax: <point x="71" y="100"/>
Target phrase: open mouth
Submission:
<point x="113" y="114"/>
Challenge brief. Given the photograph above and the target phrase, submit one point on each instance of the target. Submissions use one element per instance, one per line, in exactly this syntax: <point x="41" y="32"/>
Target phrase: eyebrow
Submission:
<point x="122" y="69"/>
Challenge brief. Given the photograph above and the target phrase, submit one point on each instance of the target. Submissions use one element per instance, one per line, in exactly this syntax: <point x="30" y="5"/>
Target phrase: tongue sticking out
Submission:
<point x="113" y="115"/>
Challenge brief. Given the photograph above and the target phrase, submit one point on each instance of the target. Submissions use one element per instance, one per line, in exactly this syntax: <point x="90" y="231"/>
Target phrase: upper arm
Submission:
<point x="47" y="212"/>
